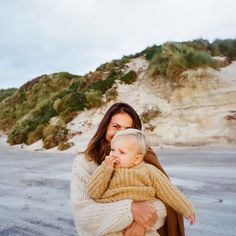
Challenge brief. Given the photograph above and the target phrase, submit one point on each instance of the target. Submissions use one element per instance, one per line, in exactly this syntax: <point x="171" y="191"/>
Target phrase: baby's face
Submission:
<point x="126" y="150"/>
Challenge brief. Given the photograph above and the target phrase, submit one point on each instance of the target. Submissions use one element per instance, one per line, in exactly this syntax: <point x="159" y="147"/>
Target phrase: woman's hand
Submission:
<point x="134" y="230"/>
<point x="144" y="214"/>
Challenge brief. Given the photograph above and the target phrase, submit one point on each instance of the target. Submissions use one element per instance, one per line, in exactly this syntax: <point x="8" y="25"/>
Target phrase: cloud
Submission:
<point x="47" y="36"/>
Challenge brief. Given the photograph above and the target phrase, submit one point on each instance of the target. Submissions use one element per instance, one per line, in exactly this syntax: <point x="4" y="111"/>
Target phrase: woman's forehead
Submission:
<point x="122" y="119"/>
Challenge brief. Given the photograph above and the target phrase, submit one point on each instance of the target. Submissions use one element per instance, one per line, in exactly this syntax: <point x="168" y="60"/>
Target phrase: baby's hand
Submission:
<point x="191" y="219"/>
<point x="111" y="161"/>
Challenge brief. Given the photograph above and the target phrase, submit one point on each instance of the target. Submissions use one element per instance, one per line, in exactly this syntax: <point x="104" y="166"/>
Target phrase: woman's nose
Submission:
<point x="119" y="129"/>
<point x="122" y="128"/>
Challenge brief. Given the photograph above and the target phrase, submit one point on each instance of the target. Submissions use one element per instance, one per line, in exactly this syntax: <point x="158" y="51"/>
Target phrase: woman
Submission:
<point x="93" y="218"/>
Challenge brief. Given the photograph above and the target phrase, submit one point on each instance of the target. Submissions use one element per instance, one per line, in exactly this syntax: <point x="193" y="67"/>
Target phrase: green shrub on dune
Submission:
<point x="69" y="105"/>
<point x="39" y="115"/>
<point x="28" y="96"/>
<point x="195" y="59"/>
<point x="104" y="85"/>
<point x="198" y="44"/>
<point x="64" y="145"/>
<point x="4" y="93"/>
<point x="113" y="65"/>
<point x="64" y="103"/>
<point x="129" y="78"/>
<point x="94" y="98"/>
<point x="174" y="58"/>
<point x="35" y="135"/>
<point x="225" y="48"/>
<point x="71" y="100"/>
<point x="53" y="136"/>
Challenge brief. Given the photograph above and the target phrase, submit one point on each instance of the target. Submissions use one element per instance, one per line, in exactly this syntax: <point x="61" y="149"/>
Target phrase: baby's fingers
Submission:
<point x="109" y="160"/>
<point x="191" y="219"/>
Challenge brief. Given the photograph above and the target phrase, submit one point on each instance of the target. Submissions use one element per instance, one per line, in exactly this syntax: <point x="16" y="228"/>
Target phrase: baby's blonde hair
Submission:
<point x="142" y="140"/>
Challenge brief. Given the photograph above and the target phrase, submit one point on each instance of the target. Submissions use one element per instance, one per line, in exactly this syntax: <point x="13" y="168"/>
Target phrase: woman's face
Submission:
<point x="118" y="122"/>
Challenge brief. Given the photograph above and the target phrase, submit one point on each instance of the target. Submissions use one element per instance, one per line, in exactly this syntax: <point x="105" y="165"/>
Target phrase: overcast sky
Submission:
<point x="46" y="36"/>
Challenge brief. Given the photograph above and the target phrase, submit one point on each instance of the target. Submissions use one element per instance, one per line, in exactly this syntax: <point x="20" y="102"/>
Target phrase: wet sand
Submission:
<point x="207" y="176"/>
<point x="34" y="190"/>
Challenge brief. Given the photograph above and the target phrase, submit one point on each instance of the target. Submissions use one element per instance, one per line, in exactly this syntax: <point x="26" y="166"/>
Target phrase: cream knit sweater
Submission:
<point x="98" y="219"/>
<point x="139" y="183"/>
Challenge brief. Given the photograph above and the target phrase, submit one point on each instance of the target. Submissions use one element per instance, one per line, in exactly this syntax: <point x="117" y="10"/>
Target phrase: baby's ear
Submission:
<point x="138" y="159"/>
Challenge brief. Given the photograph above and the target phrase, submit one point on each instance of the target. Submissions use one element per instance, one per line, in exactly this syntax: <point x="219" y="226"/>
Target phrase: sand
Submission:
<point x="34" y="189"/>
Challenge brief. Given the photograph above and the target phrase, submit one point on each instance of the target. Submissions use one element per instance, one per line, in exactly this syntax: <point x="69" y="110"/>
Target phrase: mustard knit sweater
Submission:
<point x="140" y="183"/>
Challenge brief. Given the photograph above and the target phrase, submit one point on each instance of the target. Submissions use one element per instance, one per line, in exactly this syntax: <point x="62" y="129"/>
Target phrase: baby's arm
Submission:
<point x="99" y="181"/>
<point x="171" y="195"/>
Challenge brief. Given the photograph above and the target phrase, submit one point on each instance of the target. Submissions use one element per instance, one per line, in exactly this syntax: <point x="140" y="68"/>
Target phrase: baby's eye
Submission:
<point x="122" y="152"/>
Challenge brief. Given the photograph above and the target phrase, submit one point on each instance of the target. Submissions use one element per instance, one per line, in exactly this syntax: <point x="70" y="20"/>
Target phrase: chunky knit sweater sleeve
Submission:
<point x="168" y="193"/>
<point x="98" y="182"/>
<point x="92" y="218"/>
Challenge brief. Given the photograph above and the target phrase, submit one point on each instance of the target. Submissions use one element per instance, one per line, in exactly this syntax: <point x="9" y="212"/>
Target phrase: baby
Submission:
<point x="124" y="175"/>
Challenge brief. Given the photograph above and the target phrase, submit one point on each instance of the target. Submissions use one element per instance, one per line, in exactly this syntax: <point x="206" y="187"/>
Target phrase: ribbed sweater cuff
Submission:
<point x="189" y="212"/>
<point x="106" y="167"/>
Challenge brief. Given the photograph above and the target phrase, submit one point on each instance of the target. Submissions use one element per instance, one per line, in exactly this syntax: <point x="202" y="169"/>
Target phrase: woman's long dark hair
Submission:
<point x="98" y="146"/>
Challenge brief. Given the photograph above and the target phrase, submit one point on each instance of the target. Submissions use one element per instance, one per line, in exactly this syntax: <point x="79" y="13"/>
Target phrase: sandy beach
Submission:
<point x="34" y="189"/>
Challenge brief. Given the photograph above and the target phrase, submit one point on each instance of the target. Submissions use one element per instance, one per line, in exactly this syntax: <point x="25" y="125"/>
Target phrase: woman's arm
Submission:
<point x="154" y="222"/>
<point x="161" y="214"/>
<point x="93" y="218"/>
<point x="99" y="181"/>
